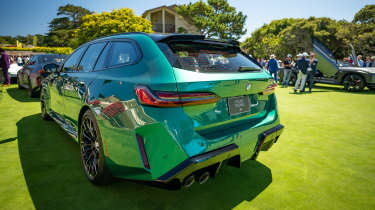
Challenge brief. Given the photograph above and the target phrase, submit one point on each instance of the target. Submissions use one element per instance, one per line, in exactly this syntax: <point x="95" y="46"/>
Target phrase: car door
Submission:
<point x="76" y="86"/>
<point x="57" y="80"/>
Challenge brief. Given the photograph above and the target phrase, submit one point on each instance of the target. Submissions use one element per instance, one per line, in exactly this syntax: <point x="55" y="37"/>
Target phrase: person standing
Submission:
<point x="302" y="65"/>
<point x="273" y="67"/>
<point x="287" y="70"/>
<point x="4" y="65"/>
<point x="360" y="61"/>
<point x="19" y="61"/>
<point x="311" y="70"/>
<point x="368" y="62"/>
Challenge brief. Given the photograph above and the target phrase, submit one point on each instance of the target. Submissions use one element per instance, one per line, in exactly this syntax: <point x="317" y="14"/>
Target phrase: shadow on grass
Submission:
<point x="21" y="95"/>
<point x="341" y="89"/>
<point x="52" y="169"/>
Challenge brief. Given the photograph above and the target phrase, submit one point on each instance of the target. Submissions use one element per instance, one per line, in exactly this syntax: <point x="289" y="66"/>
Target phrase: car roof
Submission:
<point x="157" y="37"/>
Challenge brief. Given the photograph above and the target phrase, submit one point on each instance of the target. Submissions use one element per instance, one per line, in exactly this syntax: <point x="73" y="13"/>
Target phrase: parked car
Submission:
<point x="13" y="70"/>
<point x="32" y="73"/>
<point x="332" y="71"/>
<point x="166" y="108"/>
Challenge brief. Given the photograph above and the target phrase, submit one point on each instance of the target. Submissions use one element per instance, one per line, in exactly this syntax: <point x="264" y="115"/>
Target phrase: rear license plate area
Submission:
<point x="238" y="105"/>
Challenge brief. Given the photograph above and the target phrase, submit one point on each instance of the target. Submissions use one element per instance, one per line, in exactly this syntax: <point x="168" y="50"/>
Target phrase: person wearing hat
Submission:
<point x="288" y="63"/>
<point x="311" y="70"/>
<point x="273" y="67"/>
<point x="302" y="65"/>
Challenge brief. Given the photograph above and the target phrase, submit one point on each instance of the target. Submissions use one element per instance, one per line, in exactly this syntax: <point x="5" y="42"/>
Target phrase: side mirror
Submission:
<point x="50" y="68"/>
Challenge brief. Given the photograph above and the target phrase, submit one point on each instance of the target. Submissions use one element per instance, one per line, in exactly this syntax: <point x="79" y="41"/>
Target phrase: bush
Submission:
<point x="55" y="50"/>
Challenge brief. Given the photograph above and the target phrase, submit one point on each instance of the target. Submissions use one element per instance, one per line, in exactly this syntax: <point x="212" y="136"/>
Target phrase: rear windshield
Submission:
<point x="51" y="58"/>
<point x="206" y="57"/>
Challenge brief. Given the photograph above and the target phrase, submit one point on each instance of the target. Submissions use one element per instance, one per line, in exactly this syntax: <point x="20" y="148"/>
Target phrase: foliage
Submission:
<point x="62" y="28"/>
<point x="215" y="19"/>
<point x="290" y="35"/>
<point x="365" y="15"/>
<point x="55" y="50"/>
<point x="106" y="23"/>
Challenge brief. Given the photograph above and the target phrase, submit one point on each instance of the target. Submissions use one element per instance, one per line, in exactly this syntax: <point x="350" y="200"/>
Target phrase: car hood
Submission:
<point x="363" y="69"/>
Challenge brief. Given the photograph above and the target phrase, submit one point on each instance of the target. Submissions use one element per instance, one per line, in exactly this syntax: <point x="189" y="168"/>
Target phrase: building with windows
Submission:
<point x="164" y="19"/>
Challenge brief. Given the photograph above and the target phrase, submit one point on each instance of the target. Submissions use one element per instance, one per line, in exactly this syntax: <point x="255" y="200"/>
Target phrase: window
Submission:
<point x="89" y="58"/>
<point x="73" y="60"/>
<point x="51" y="59"/>
<point x="205" y="57"/>
<point x="122" y="53"/>
<point x="103" y="58"/>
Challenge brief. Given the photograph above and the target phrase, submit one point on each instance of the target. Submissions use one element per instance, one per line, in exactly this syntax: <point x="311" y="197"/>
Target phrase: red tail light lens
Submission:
<point x="143" y="152"/>
<point x="40" y="71"/>
<point x="172" y="99"/>
<point x="270" y="89"/>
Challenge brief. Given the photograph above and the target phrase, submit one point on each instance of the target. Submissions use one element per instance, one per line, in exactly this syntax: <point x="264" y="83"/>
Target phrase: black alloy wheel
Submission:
<point x="30" y="91"/>
<point x="354" y="83"/>
<point x="92" y="154"/>
<point x="19" y="84"/>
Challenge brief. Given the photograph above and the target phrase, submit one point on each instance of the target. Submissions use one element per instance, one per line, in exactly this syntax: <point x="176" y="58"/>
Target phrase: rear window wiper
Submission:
<point x="247" y="68"/>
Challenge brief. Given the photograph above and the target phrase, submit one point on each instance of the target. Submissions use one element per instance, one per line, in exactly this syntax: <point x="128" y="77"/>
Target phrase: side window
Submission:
<point x="122" y="53"/>
<point x="73" y="60"/>
<point x="89" y="58"/>
<point x="103" y="58"/>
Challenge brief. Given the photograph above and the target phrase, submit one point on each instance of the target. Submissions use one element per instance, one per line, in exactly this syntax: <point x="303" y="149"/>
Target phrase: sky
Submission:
<point x="32" y="16"/>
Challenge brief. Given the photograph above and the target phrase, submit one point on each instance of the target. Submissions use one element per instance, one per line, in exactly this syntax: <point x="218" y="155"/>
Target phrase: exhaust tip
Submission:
<point x="188" y="181"/>
<point x="204" y="177"/>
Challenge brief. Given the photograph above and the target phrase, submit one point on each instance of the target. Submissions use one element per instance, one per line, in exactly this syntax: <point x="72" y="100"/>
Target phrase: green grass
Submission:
<point x="325" y="159"/>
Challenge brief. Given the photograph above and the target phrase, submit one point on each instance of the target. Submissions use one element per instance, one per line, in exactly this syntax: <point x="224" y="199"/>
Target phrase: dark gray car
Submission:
<point x="33" y="72"/>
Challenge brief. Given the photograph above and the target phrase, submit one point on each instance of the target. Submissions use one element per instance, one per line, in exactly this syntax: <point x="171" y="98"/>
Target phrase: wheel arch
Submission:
<point x="351" y="73"/>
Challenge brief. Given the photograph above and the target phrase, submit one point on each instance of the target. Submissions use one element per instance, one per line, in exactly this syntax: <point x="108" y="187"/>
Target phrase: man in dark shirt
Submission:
<point x="287" y="70"/>
<point x="4" y="65"/>
<point x="302" y="65"/>
<point x="311" y="70"/>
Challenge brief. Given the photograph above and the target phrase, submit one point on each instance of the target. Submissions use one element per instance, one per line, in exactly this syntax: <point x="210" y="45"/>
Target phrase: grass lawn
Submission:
<point x="325" y="159"/>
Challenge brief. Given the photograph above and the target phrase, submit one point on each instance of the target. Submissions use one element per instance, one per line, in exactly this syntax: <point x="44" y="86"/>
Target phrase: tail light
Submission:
<point x="172" y="99"/>
<point x="143" y="152"/>
<point x="40" y="71"/>
<point x="270" y="88"/>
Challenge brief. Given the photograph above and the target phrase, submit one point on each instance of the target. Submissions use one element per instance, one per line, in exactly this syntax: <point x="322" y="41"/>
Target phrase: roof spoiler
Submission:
<point x="195" y="37"/>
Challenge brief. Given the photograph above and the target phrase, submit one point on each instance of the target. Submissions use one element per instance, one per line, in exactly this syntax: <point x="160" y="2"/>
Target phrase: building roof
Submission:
<point x="171" y="7"/>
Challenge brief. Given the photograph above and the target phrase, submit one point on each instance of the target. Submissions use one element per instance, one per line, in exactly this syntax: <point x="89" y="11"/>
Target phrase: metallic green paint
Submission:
<point x="170" y="135"/>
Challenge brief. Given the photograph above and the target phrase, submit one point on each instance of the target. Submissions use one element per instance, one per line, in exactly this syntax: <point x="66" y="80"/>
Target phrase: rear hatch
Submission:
<point x="221" y="70"/>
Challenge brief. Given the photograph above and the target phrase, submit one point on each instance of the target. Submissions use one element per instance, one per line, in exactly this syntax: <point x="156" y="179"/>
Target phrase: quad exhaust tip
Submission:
<point x="189" y="181"/>
<point x="204" y="177"/>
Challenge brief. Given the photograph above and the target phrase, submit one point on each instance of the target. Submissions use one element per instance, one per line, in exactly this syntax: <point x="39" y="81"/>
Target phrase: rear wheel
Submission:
<point x="19" y="84"/>
<point x="353" y="83"/>
<point x="91" y="147"/>
<point x="30" y="90"/>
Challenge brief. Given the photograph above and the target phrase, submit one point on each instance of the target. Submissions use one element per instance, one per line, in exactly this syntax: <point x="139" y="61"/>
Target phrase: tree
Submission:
<point x="106" y="23"/>
<point x="62" y="28"/>
<point x="365" y="15"/>
<point x="215" y="19"/>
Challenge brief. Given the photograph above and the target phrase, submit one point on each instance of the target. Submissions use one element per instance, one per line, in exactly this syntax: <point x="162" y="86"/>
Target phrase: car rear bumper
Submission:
<point x="211" y="161"/>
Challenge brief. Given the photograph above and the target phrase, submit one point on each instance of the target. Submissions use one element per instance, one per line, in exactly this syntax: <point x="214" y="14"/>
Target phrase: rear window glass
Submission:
<point x="206" y="57"/>
<point x="122" y="53"/>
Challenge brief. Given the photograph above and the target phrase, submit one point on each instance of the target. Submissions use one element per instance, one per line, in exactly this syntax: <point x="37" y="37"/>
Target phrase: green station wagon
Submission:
<point x="164" y="108"/>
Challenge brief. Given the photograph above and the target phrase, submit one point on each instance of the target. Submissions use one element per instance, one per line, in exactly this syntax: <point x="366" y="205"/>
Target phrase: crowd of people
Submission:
<point x="368" y="62"/>
<point x="20" y="60"/>
<point x="305" y="65"/>
<point x="7" y="60"/>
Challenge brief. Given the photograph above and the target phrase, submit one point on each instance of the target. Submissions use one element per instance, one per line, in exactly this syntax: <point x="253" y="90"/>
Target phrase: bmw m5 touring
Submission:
<point x="165" y="108"/>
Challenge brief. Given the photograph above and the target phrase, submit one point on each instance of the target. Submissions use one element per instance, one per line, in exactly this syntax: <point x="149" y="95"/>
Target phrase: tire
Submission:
<point x="43" y="110"/>
<point x="353" y="83"/>
<point x="92" y="154"/>
<point x="30" y="91"/>
<point x="19" y="85"/>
